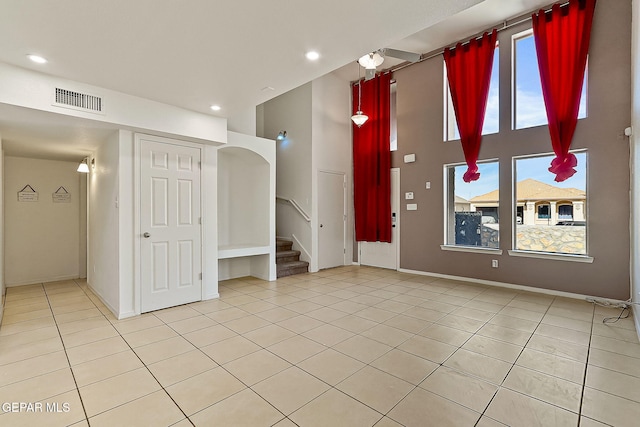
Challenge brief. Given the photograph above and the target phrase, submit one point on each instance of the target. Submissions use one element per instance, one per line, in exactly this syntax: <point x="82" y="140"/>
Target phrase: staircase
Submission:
<point x="287" y="260"/>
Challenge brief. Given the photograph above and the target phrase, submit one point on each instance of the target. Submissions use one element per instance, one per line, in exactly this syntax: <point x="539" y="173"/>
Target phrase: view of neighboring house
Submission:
<point x="537" y="204"/>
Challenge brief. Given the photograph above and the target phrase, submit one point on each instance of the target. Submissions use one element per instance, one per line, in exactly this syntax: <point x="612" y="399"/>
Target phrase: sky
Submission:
<point x="530" y="112"/>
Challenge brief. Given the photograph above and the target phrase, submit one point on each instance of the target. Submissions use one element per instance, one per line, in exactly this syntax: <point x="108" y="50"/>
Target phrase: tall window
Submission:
<point x="471" y="211"/>
<point x="550" y="216"/>
<point x="491" y="118"/>
<point x="528" y="102"/>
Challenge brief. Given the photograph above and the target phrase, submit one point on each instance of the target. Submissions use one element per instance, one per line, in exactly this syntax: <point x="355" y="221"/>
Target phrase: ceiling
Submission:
<point x="236" y="54"/>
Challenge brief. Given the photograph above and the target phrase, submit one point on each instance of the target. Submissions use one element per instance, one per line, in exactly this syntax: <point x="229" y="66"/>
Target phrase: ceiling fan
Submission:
<point x="372" y="60"/>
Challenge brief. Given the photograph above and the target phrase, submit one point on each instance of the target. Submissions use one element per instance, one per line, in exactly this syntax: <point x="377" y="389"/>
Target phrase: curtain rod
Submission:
<point x="431" y="55"/>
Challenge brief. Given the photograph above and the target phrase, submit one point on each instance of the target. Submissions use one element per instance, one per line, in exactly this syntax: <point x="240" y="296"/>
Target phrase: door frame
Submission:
<point x="344" y="214"/>
<point x="137" y="210"/>
<point x="398" y="226"/>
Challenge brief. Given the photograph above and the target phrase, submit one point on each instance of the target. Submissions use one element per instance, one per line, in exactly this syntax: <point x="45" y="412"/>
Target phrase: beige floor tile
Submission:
<point x="115" y="391"/>
<point x="328" y="335"/>
<point x="331" y="366"/>
<point x="161" y="350"/>
<point x="608" y="331"/>
<point x="387" y="335"/>
<point x="408" y="323"/>
<point x="335" y="409"/>
<point x="520" y="313"/>
<point x="83" y="325"/>
<point x="626" y="348"/>
<point x="489" y="422"/>
<point x="612" y="382"/>
<point x="484" y="306"/>
<point x="12" y="354"/>
<point x="155" y="409"/>
<point x="493" y="348"/>
<point x="227" y="315"/>
<point x="106" y="367"/>
<point x="556" y="366"/>
<point x="585" y="316"/>
<point x="181" y="367"/>
<point x="405" y="366"/>
<point x="303" y="306"/>
<point x="327" y="314"/>
<point x="258" y="306"/>
<point x="473" y="313"/>
<point x="445" y="334"/>
<point x="511" y="322"/>
<point x="149" y="336"/>
<point x="461" y="388"/>
<point x="78" y="315"/>
<point x="376" y="314"/>
<point x="421" y="405"/>
<point x="28" y="337"/>
<point x="375" y="388"/>
<point x="569" y="335"/>
<point x="96" y="350"/>
<point x="230" y="349"/>
<point x="558" y="348"/>
<point x="615" y="362"/>
<point x="525" y="305"/>
<point x="269" y="335"/>
<point x="76" y="339"/>
<point x="290" y="389"/>
<point x="210" y="335"/>
<point x="135" y="324"/>
<point x="427" y="348"/>
<point x="192" y="324"/>
<point x="28" y="325"/>
<point x="300" y="324"/>
<point x="246" y="324"/>
<point x="199" y="392"/>
<point x="354" y="323"/>
<point x="296" y="349"/>
<point x="588" y="422"/>
<point x="609" y="409"/>
<point x="25" y="308"/>
<point x="209" y="306"/>
<point x="392" y="306"/>
<point x="361" y="348"/>
<point x="439" y="306"/>
<point x="62" y="410"/>
<point x="426" y="314"/>
<point x="255" y="367"/>
<point x="515" y="409"/>
<point x="564" y="322"/>
<point x="277" y="314"/>
<point x="461" y="323"/>
<point x="174" y="314"/>
<point x="39" y="388"/>
<point x="501" y="333"/>
<point x="33" y="367"/>
<point x="83" y="304"/>
<point x="481" y="366"/>
<point x="243" y="409"/>
<point x="30" y="315"/>
<point x="547" y="388"/>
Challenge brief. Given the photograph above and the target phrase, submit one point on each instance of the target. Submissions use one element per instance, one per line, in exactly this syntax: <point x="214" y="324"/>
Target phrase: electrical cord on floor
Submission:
<point x="615" y="319"/>
<point x="624" y="305"/>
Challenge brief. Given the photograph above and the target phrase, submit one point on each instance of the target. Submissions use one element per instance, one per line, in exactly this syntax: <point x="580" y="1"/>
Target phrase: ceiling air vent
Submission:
<point x="78" y="100"/>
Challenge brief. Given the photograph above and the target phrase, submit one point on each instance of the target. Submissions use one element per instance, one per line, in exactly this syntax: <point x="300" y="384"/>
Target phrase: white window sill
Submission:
<point x="472" y="249"/>
<point x="552" y="256"/>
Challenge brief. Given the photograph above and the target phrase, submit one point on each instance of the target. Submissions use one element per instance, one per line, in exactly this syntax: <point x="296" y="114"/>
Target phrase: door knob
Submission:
<point x="146" y="235"/>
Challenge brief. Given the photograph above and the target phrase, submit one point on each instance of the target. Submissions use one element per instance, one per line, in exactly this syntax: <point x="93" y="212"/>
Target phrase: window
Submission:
<point x="528" y="102"/>
<point x="491" y="118"/>
<point x="471" y="211"/>
<point x="550" y="216"/>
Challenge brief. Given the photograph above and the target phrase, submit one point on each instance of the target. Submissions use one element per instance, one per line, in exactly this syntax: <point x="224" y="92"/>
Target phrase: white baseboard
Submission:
<point x="42" y="280"/>
<point x="509" y="286"/>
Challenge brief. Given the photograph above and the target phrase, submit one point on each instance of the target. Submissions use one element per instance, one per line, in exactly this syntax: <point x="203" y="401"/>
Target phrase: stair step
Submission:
<point x="287" y="256"/>
<point x="283" y="244"/>
<point x="292" y="267"/>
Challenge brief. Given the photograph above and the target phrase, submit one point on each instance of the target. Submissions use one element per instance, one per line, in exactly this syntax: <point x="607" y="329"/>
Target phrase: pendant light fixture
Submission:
<point x="359" y="118"/>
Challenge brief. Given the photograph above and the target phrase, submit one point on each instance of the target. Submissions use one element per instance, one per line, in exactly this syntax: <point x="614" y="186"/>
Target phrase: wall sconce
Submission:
<point x="83" y="167"/>
<point x="281" y="135"/>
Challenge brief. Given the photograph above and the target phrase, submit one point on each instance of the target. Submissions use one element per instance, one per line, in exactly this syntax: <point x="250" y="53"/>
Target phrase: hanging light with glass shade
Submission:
<point x="359" y="117"/>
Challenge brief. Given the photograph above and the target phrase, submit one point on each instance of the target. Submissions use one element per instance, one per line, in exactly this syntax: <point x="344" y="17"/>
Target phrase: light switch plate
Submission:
<point x="409" y="158"/>
<point x="408" y="195"/>
<point x="412" y="207"/>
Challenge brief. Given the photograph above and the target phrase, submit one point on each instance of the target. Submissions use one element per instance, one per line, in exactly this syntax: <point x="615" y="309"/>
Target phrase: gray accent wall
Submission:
<point x="420" y="131"/>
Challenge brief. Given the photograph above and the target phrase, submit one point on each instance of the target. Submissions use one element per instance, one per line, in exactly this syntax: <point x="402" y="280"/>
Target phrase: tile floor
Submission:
<point x="352" y="346"/>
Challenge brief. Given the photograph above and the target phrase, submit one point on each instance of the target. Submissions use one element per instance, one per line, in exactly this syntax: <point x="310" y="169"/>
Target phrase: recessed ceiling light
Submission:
<point x="312" y="55"/>
<point x="216" y="108"/>
<point x="37" y="59"/>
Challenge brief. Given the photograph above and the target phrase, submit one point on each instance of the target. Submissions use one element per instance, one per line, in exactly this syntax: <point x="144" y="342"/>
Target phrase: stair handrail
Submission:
<point x="296" y="207"/>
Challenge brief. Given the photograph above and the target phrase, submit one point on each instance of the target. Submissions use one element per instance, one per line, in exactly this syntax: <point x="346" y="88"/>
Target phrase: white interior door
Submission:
<point x="385" y="255"/>
<point x="331" y="219"/>
<point x="170" y="246"/>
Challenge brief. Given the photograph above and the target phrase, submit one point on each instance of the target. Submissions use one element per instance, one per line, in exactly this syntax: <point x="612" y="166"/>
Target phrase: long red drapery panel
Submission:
<point x="372" y="162"/>
<point x="469" y="73"/>
<point x="562" y="43"/>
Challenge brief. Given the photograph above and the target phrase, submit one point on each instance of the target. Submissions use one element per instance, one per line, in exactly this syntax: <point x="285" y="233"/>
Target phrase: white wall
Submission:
<point x="331" y="130"/>
<point x="2" y="284"/>
<point x="42" y="238"/>
<point x="635" y="159"/>
<point x="103" y="270"/>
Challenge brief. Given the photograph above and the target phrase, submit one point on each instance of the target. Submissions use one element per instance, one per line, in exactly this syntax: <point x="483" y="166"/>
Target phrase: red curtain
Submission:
<point x="562" y="43"/>
<point x="372" y="162"/>
<point x="469" y="74"/>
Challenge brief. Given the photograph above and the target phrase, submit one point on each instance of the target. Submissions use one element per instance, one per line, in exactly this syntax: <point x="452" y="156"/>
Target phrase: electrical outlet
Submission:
<point x="408" y="195"/>
<point x="494" y="263"/>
